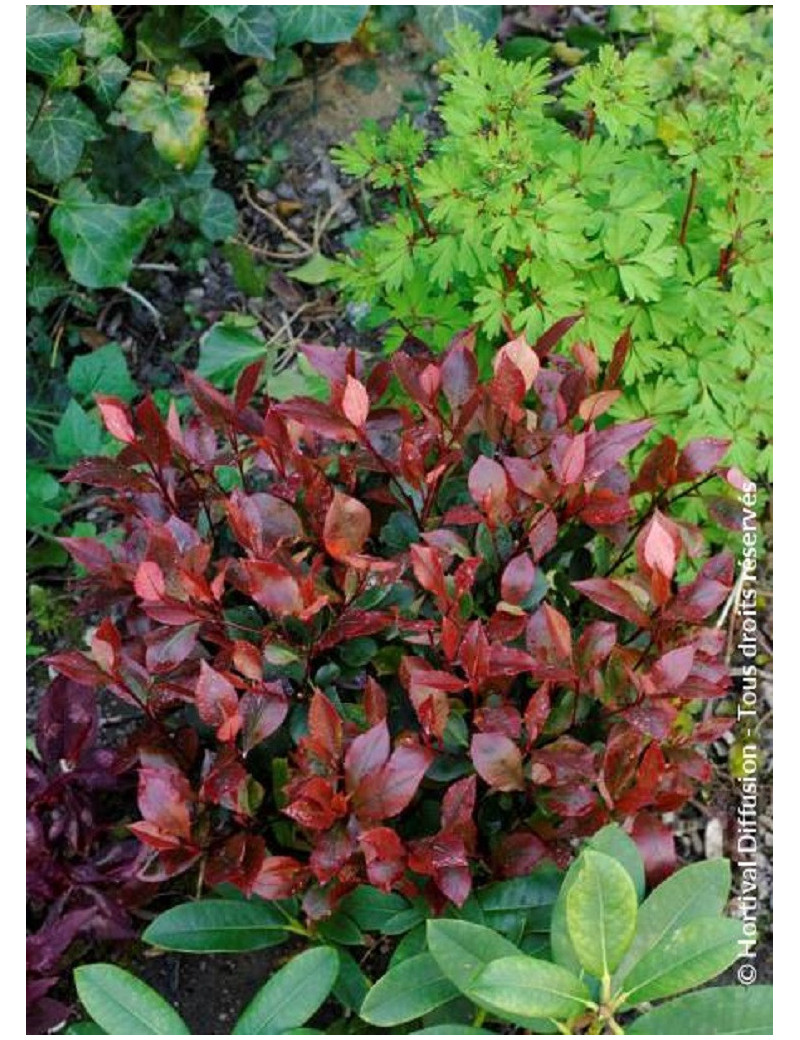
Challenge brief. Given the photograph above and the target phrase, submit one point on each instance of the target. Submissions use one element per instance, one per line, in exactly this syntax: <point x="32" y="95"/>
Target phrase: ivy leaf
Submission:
<point x="42" y="493"/>
<point x="253" y="32"/>
<point x="56" y="138"/>
<point x="77" y="434"/>
<point x="49" y="31"/>
<point x="174" y="113"/>
<point x="100" y="240"/>
<point x="104" y="371"/>
<point x="43" y="286"/>
<point x="102" y="35"/>
<point x="318" y="23"/>
<point x="30" y="237"/>
<point x="213" y="212"/>
<point x="228" y="347"/>
<point x="437" y="20"/>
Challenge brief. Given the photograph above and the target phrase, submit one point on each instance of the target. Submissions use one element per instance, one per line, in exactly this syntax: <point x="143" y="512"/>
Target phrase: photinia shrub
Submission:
<point x="426" y="631"/>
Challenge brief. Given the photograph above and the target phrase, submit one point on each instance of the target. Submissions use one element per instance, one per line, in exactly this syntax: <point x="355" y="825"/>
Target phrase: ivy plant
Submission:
<point x="640" y="196"/>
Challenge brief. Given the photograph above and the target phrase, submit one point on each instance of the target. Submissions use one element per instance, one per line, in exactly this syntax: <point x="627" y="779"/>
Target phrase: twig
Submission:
<point x="171" y="268"/>
<point x="151" y="308"/>
<point x="276" y="221"/>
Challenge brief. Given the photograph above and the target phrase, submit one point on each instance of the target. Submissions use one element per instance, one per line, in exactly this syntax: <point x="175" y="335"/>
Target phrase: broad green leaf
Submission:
<point x="123" y="1005"/>
<point x="217" y="926"/>
<point x="316" y="271"/>
<point x="695" y="953"/>
<point x="104" y="371"/>
<point x="30" y="237"/>
<point x="371" y="909"/>
<point x="522" y="986"/>
<point x="609" y="841"/>
<point x="699" y="890"/>
<point x="408" y="991"/>
<point x="56" y="138"/>
<point x="100" y="240"/>
<point x="49" y="31"/>
<point x="718" y="1011"/>
<point x="77" y="434"/>
<point x="174" y="113"/>
<point x="510" y="906"/>
<point x="213" y="212"/>
<point x="84" y="1029"/>
<point x="318" y="23"/>
<point x="462" y="950"/>
<point x="437" y="20"/>
<point x="43" y="286"/>
<point x="601" y="912"/>
<point x="253" y="32"/>
<point x="458" y="1029"/>
<point x="292" y="995"/>
<point x="102" y="36"/>
<point x="352" y="985"/>
<point x="228" y="347"/>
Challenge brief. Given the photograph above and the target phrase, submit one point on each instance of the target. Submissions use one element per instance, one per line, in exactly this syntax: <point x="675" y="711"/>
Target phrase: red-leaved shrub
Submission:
<point x="426" y="631"/>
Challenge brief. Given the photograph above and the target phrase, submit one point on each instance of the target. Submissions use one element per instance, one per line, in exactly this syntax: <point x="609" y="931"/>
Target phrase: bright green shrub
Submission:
<point x="641" y="196"/>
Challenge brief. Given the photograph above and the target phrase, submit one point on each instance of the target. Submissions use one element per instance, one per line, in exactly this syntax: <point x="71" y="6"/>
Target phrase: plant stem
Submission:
<point x="688" y="210"/>
<point x="41" y="195"/>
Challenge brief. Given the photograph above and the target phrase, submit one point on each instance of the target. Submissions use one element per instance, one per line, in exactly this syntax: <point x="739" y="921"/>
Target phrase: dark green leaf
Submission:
<point x="371" y="909"/>
<point x="77" y="434"/>
<point x="213" y="212"/>
<point x="253" y="32"/>
<point x="437" y="20"/>
<point x="104" y="371"/>
<point x="521" y="986"/>
<point x="59" y="132"/>
<point x="49" y="31"/>
<point x="408" y="991"/>
<point x="217" y="926"/>
<point x="719" y="1011"/>
<point x="318" y="23"/>
<point x="228" y="347"/>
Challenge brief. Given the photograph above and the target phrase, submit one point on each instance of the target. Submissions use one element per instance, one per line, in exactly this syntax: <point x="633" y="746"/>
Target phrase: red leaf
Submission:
<point x="263" y="709"/>
<point x="524" y="358"/>
<point x="498" y="761"/>
<point x="66" y="723"/>
<point x="331" y="853"/>
<point x="543" y="534"/>
<point x="218" y="703"/>
<point x="273" y="587"/>
<point x="374" y="701"/>
<point x="168" y="648"/>
<point x="89" y="553"/>
<point x="387" y="794"/>
<point x="517" y="854"/>
<point x="428" y="570"/>
<point x="558" y="627"/>
<point x="568" y="455"/>
<point x="116" y="418"/>
<point x="347" y="526"/>
<point x="107" y="646"/>
<point x="605" y="448"/>
<point x="545" y="343"/>
<point x="518" y="579"/>
<point x="366" y="755"/>
<point x="316" y="805"/>
<point x="385" y="856"/>
<point x="699" y="456"/>
<point x="164" y="800"/>
<point x="325" y="726"/>
<point x="149" y="581"/>
<point x="279" y="878"/>
<point x="260" y="522"/>
<point x="355" y="402"/>
<point x="657" y="549"/>
<point x="459" y="373"/>
<point x="672" y="670"/>
<point x="614" y="370"/>
<point x="613" y="596"/>
<point x="488" y="486"/>
<point x="537" y="712"/>
<point x="656" y="846"/>
<point x="595" y="405"/>
<point x="658" y="469"/>
<point x="246" y="384"/>
<point x="458" y="804"/>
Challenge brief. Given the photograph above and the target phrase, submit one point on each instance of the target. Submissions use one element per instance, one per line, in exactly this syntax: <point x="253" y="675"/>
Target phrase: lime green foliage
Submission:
<point x="640" y="196"/>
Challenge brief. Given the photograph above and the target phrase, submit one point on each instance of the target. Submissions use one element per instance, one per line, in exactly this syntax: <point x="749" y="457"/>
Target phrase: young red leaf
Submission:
<point x="614" y="596"/>
<point x="518" y="579"/>
<point x="116" y="418"/>
<point x="263" y="710"/>
<point x="459" y="374"/>
<point x="656" y="845"/>
<point x="385" y="857"/>
<point x="524" y="358"/>
<point x="279" y="878"/>
<point x="605" y="448"/>
<point x="325" y="726"/>
<point x="355" y="402"/>
<point x="488" y="486"/>
<point x="217" y="702"/>
<point x="498" y="761"/>
<point x="700" y="456"/>
<point x="347" y="526"/>
<point x="386" y="794"/>
<point x="149" y="581"/>
<point x="427" y="569"/>
<point x="366" y="755"/>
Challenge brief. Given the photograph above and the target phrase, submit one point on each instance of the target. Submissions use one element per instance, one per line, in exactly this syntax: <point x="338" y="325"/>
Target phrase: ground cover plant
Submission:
<point x="639" y="194"/>
<point x="600" y="956"/>
<point x="327" y="612"/>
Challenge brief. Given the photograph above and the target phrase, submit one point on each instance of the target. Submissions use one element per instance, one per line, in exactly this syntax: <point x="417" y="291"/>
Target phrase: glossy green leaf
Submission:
<point x="30" y="237"/>
<point x="124" y="1005"/>
<point x="84" y="1029"/>
<point x="522" y="986"/>
<point x="718" y="1011"/>
<point x="371" y="909"/>
<point x="318" y="23"/>
<point x="352" y="985"/>
<point x="698" y="890"/>
<point x="105" y="78"/>
<point x="601" y="912"/>
<point x="437" y="20"/>
<point x="408" y="991"/>
<point x="253" y="32"/>
<point x="515" y="906"/>
<point x="213" y="212"/>
<point x="102" y="35"/>
<point x="104" y="371"/>
<point x="49" y="31"/>
<point x="292" y="995"/>
<point x="614" y="842"/>
<point x="100" y="240"/>
<point x="462" y="950"/>
<point x="58" y="133"/>
<point x="695" y="953"/>
<point x="217" y="926"/>
<point x="43" y="286"/>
